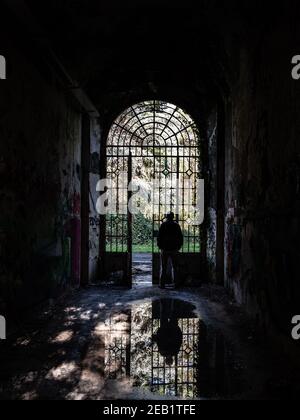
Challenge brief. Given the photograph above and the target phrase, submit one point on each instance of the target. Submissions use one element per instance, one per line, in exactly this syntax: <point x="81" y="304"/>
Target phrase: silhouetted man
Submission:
<point x="170" y="241"/>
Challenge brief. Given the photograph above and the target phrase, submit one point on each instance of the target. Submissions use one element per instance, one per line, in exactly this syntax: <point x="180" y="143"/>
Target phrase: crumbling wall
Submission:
<point x="40" y="133"/>
<point x="263" y="178"/>
<point x="94" y="216"/>
<point x="211" y="195"/>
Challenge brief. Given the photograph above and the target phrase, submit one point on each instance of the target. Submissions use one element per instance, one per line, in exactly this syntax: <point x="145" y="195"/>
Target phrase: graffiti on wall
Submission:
<point x="94" y="222"/>
<point x="234" y="249"/>
<point x="69" y="229"/>
<point x="76" y="204"/>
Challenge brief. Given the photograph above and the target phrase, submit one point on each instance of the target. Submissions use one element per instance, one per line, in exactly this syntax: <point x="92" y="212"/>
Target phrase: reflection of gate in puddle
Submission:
<point x="132" y="351"/>
<point x="117" y="346"/>
<point x="180" y="377"/>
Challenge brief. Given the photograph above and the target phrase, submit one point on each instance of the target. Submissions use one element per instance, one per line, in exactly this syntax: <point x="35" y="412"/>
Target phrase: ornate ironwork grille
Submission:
<point x="116" y="337"/>
<point x="180" y="379"/>
<point x="159" y="142"/>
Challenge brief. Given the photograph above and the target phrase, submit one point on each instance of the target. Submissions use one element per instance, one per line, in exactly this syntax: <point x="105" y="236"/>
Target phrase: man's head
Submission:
<point x="169" y="361"/>
<point x="170" y="216"/>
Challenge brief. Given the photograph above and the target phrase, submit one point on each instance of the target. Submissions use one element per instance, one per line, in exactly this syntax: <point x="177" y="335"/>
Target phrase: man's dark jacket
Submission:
<point x="170" y="236"/>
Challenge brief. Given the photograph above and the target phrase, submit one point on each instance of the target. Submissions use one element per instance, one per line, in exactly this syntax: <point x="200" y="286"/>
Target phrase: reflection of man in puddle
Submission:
<point x="170" y="241"/>
<point x="169" y="335"/>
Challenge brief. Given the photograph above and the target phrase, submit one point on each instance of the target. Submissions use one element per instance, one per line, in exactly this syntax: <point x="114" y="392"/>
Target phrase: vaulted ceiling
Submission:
<point x="120" y="55"/>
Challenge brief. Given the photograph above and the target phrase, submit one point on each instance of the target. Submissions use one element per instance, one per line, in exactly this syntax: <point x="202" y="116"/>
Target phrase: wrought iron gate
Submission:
<point x="156" y="145"/>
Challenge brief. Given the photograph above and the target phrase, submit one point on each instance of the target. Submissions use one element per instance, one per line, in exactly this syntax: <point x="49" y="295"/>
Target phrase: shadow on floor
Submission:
<point x="143" y="344"/>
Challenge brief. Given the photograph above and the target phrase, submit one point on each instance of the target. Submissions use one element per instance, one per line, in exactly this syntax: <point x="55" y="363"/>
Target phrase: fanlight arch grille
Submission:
<point x="145" y="128"/>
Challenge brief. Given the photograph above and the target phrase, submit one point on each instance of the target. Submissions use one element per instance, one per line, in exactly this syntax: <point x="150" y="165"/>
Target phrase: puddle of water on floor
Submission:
<point x="165" y="349"/>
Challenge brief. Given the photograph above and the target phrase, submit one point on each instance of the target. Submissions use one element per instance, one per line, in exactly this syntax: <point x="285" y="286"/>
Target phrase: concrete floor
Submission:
<point x="142" y="270"/>
<point x="66" y="352"/>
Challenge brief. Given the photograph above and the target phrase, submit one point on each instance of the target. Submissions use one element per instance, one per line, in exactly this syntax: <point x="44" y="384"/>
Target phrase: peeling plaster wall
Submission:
<point x="212" y="134"/>
<point x="263" y="178"/>
<point x="40" y="136"/>
<point x="94" y="217"/>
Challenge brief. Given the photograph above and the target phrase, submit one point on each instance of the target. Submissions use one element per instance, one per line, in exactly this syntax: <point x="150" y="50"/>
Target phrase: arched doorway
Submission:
<point x="154" y="147"/>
